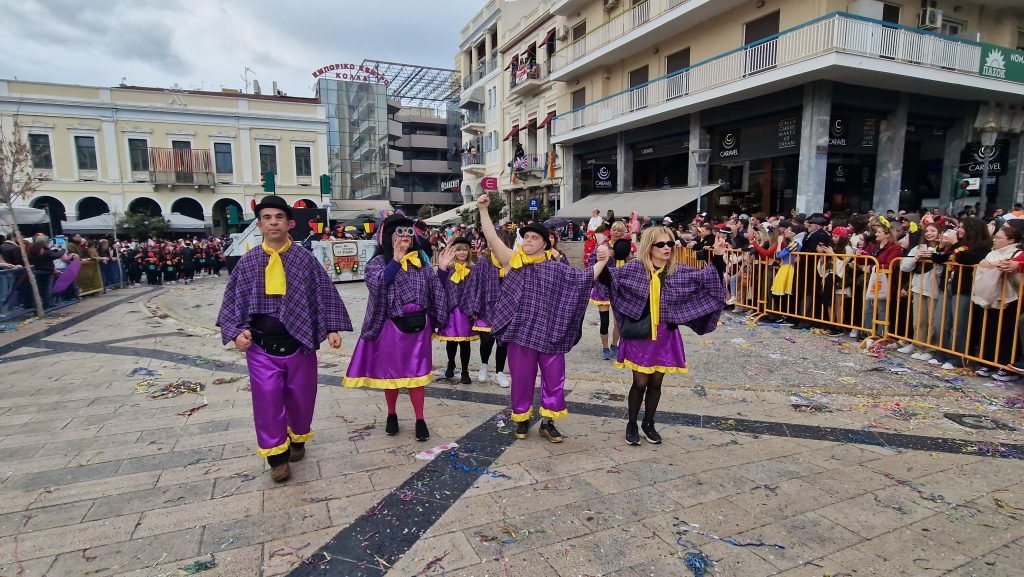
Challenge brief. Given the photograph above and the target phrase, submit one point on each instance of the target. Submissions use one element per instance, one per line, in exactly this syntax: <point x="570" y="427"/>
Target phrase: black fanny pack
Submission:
<point x="639" y="329"/>
<point x="412" y="322"/>
<point x="278" y="345"/>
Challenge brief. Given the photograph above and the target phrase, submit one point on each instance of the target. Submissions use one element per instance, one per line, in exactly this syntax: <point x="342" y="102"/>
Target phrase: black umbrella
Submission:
<point x="556" y="222"/>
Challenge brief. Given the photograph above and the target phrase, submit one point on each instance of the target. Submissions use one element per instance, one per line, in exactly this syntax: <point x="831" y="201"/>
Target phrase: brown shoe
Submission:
<point x="280" y="473"/>
<point x="297" y="453"/>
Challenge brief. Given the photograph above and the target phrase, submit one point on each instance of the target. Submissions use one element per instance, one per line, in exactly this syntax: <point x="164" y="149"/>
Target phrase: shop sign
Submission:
<point x="837" y="131"/>
<point x="729" y="144"/>
<point x="1001" y="63"/>
<point x="489" y="183"/>
<point x="974" y="158"/>
<point x="661" y="148"/>
<point x="604" y="177"/>
<point x="451" y="185"/>
<point x="852" y="133"/>
<point x="789" y="133"/>
<point x="351" y="73"/>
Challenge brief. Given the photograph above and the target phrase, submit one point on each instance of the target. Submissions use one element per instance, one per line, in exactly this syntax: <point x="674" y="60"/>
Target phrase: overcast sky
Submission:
<point x="208" y="43"/>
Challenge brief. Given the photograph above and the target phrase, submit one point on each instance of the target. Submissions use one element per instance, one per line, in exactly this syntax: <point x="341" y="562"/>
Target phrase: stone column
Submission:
<point x="572" y="170"/>
<point x="623" y="165"/>
<point x="892" y="135"/>
<point x="1009" y="190"/>
<point x="956" y="139"/>
<point x="698" y="139"/>
<point x="488" y="46"/>
<point x="817" y="115"/>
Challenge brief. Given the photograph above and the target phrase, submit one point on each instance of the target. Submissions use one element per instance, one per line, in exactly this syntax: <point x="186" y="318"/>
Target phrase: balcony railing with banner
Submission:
<point x="956" y="312"/>
<point x="835" y="33"/>
<point x="477" y="158"/>
<point x="181" y="166"/>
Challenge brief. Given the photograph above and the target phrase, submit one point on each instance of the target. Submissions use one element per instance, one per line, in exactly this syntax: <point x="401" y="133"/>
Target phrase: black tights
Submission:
<point x="604" y="321"/>
<point x="463" y="347"/>
<point x="486" y="345"/>
<point x="646" y="389"/>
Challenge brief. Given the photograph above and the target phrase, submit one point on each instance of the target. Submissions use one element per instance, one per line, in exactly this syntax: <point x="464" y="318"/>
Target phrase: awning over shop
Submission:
<point x="180" y="223"/>
<point x="99" y="224"/>
<point x="511" y="133"/>
<point x="546" y="120"/>
<point x="645" y="203"/>
<point x="24" y="214"/>
<point x="450" y="216"/>
<point x="349" y="209"/>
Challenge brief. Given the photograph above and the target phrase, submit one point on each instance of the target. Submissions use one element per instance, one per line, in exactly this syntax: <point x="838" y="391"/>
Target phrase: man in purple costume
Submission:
<point x="279" y="305"/>
<point x="539" y="314"/>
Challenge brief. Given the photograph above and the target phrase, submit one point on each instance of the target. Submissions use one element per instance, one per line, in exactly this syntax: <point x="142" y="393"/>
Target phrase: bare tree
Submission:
<point x="17" y="184"/>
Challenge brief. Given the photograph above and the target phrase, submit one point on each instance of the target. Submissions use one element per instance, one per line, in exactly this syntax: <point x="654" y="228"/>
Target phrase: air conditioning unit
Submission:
<point x="611" y="4"/>
<point x="930" y="19"/>
<point x="563" y="32"/>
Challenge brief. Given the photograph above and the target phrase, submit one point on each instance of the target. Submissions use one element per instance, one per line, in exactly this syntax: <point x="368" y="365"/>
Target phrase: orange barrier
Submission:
<point x="690" y="257"/>
<point x="968" y="312"/>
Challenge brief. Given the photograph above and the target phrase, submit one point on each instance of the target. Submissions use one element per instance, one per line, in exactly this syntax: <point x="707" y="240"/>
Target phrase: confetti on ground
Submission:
<point x="226" y="380"/>
<point x="804" y="403"/>
<point x="141" y="372"/>
<point x="429" y="454"/>
<point x="454" y="455"/>
<point x="684" y="528"/>
<point x="198" y="566"/>
<point x="699" y="390"/>
<point x="926" y="495"/>
<point x="193" y="410"/>
<point x="175" y="389"/>
<point x="698" y="562"/>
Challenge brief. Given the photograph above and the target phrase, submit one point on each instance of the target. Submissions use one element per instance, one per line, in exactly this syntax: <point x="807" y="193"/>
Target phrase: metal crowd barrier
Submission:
<point x="936" y="307"/>
<point x="855" y="293"/>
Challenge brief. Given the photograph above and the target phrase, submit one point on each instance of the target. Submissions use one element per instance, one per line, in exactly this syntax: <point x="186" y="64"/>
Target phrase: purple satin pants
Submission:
<point x="283" y="396"/>
<point x="523" y="363"/>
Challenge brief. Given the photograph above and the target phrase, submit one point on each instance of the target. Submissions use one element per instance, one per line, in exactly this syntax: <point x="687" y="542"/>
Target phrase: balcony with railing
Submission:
<point x="632" y="30"/>
<point x="475" y="161"/>
<point x="473" y="121"/>
<point x="527" y="80"/>
<point x="532" y="166"/>
<point x="821" y="48"/>
<point x="173" y="166"/>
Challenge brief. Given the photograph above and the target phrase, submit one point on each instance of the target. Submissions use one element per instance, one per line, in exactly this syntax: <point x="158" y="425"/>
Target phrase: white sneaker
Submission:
<point x="485" y="372"/>
<point x="853" y="334"/>
<point x="502" y="379"/>
<point x="869" y="343"/>
<point x="934" y="361"/>
<point x="947" y="366"/>
<point x="908" y="349"/>
<point x="924" y="357"/>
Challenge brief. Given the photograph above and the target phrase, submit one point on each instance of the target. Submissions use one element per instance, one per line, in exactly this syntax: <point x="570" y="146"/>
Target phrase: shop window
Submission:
<point x="85" y="150"/>
<point x="39" y="148"/>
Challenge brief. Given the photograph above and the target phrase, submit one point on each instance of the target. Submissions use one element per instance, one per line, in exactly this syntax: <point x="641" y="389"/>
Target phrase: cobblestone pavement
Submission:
<point x="99" y="479"/>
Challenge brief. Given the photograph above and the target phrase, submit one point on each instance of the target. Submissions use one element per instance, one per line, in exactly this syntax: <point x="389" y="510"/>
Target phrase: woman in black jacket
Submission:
<point x="967" y="246"/>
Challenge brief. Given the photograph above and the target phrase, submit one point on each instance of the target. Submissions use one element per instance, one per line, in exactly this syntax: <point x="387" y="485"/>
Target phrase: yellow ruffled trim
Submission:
<point x="519" y="417"/>
<point x="482" y="329"/>
<point x="274" y="451"/>
<point x="601" y="303"/>
<point x="438" y="337"/>
<point x="299" y="438"/>
<point x="553" y="414"/>
<point x="403" y="383"/>
<point x="626" y="364"/>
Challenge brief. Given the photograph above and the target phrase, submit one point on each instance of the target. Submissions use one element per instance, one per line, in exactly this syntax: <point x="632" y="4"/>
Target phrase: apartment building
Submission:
<point x="424" y="156"/>
<point x="789" y="104"/>
<point x="164" y="151"/>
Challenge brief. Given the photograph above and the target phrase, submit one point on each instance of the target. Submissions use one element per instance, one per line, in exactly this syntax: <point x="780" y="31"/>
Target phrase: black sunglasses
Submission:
<point x="664" y="243"/>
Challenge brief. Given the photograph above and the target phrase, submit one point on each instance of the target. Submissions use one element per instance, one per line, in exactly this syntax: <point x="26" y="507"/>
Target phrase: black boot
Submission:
<point x="391" y="427"/>
<point x="523" y="429"/>
<point x="422" y="432"/>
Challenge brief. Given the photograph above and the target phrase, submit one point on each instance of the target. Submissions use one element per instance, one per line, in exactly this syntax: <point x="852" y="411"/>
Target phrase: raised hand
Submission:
<point x="603" y="254"/>
<point x="483" y="201"/>
<point x="446" y="258"/>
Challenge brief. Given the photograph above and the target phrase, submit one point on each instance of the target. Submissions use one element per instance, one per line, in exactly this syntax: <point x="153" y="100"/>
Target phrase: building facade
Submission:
<point x="201" y="154"/>
<point x="827" y="105"/>
<point x="424" y="156"/>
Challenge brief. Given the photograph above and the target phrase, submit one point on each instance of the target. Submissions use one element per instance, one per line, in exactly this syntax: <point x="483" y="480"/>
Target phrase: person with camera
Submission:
<point x="651" y="296"/>
<point x="279" y="305"/>
<point x="407" y="301"/>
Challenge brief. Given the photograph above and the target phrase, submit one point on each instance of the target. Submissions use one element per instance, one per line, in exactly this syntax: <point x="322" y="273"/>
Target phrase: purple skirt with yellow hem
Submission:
<point x="664" y="355"/>
<point x="459" y="328"/>
<point x="396" y="360"/>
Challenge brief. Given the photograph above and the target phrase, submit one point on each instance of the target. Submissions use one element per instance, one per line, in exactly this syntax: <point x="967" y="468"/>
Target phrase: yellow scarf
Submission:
<point x="655" y="301"/>
<point x="460" y="274"/>
<point x="497" y="265"/>
<point x="412" y="258"/>
<point x="275" y="281"/>
<point x="520" y="258"/>
<point x="620" y="262"/>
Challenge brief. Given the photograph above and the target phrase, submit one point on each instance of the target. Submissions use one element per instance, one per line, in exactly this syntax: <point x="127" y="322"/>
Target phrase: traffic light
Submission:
<point x="268" y="181"/>
<point x="325" y="185"/>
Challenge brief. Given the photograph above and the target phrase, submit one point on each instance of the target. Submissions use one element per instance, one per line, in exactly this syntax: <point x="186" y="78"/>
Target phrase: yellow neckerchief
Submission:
<point x="461" y="272"/>
<point x="497" y="265"/>
<point x="275" y="281"/>
<point x="412" y="258"/>
<point x="620" y="262"/>
<point x="520" y="258"/>
<point x="655" y="300"/>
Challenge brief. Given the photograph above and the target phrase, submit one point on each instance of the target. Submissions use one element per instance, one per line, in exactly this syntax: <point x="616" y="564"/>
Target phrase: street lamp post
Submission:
<point x="989" y="133"/>
<point x="700" y="159"/>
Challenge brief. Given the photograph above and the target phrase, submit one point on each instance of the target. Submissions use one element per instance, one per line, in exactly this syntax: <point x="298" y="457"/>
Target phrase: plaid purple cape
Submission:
<point x="541" y="306"/>
<point x="690" y="297"/>
<point x="416" y="286"/>
<point x="485" y="282"/>
<point x="461" y="295"/>
<point x="310" y="309"/>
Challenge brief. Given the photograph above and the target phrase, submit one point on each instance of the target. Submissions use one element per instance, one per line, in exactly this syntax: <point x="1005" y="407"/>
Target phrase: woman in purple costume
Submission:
<point x="406" y="299"/>
<point x="486" y="277"/>
<point x="458" y="333"/>
<point x="651" y="297"/>
<point x="622" y="251"/>
<point x="539" y="314"/>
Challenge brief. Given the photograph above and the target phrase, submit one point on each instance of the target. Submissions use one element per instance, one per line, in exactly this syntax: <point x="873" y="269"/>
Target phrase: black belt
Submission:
<point x="277" y="345"/>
